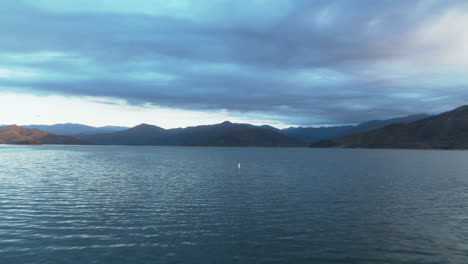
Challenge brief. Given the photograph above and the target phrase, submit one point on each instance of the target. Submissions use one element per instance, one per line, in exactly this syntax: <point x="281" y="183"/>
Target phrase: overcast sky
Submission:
<point x="186" y="62"/>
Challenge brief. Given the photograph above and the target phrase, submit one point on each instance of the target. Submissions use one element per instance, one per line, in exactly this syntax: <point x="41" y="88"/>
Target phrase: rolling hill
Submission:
<point x="19" y="135"/>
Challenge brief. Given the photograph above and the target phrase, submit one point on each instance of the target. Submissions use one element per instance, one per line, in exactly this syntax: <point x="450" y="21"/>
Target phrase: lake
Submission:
<point x="123" y="204"/>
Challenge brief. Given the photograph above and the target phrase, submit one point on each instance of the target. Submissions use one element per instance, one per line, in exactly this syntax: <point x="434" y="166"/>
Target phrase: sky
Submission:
<point x="188" y="62"/>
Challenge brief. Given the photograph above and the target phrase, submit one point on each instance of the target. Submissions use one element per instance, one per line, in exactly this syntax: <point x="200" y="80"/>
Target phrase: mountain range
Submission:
<point x="224" y="134"/>
<point x="232" y="134"/>
<point x="307" y="134"/>
<point x="444" y="131"/>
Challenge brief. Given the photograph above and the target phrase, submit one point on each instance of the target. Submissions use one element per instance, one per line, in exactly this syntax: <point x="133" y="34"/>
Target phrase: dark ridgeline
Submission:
<point x="444" y="131"/>
<point x="312" y="134"/>
<point x="224" y="134"/>
<point x="20" y="135"/>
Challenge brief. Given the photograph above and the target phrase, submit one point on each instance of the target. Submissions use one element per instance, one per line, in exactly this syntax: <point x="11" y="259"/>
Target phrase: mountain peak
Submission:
<point x="145" y="127"/>
<point x="226" y="123"/>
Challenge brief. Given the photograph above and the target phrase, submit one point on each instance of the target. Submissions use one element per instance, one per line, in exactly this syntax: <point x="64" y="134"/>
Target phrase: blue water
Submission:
<point x="120" y="204"/>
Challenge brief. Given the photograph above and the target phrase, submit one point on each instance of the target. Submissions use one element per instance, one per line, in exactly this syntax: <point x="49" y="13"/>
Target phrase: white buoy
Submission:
<point x="238" y="165"/>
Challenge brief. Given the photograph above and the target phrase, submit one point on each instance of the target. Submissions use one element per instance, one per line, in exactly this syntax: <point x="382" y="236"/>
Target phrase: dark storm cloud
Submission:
<point x="312" y="62"/>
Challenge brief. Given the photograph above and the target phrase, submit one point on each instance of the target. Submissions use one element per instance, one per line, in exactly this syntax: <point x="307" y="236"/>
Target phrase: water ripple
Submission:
<point x="96" y="204"/>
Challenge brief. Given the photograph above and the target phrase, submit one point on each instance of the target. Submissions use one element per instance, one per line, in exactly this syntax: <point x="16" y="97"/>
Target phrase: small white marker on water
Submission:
<point x="238" y="165"/>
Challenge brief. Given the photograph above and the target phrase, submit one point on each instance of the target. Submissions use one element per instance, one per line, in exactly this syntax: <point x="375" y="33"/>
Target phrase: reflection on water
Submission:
<point x="116" y="204"/>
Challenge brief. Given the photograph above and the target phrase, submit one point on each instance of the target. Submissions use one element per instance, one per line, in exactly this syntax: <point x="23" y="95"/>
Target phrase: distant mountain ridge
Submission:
<point x="444" y="131"/>
<point x="223" y="134"/>
<point x="19" y="135"/>
<point x="312" y="134"/>
<point x="75" y="129"/>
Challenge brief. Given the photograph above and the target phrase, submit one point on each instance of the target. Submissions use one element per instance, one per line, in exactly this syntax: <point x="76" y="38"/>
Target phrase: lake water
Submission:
<point x="121" y="204"/>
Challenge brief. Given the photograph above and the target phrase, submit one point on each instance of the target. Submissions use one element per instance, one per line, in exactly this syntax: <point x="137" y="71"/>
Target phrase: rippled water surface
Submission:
<point x="112" y="204"/>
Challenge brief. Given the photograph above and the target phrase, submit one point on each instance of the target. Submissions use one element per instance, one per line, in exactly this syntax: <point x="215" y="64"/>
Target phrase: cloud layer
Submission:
<point x="307" y="62"/>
